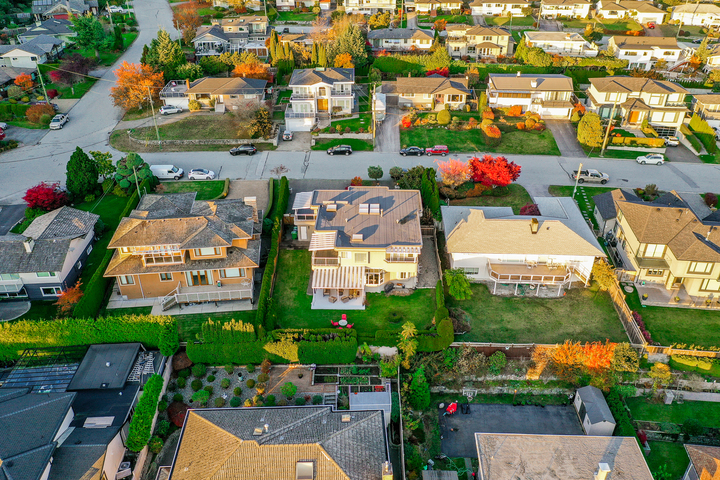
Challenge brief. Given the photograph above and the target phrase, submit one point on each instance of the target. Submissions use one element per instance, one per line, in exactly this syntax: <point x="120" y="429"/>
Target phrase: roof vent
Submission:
<point x="603" y="470"/>
<point x="345" y="418"/>
<point x="533" y="83"/>
<point x="357" y="237"/>
<point x="304" y="470"/>
<point x="257" y="432"/>
<point x="266" y="428"/>
<point x="534" y="225"/>
<point x="107" y="364"/>
<point x="332" y="207"/>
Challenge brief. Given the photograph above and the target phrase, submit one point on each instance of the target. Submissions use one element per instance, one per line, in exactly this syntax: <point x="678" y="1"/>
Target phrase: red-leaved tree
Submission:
<point x="45" y="196"/>
<point x="493" y="171"/>
<point x="444" y="71"/>
<point x="598" y="356"/>
<point x="530" y="209"/>
<point x="453" y="172"/>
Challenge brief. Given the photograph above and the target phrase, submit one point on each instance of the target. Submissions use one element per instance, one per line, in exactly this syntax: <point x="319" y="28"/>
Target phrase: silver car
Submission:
<point x="651" y="158"/>
<point x="168" y="109"/>
<point x="201" y="174"/>
<point x="58" y="121"/>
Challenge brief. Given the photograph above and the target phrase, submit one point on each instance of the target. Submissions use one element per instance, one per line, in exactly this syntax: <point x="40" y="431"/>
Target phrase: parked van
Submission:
<point x="165" y="172"/>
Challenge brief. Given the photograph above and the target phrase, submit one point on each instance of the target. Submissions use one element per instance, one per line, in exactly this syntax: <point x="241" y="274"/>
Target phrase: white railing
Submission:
<point x="213" y="296"/>
<point x="169" y="299"/>
<point x="325" y="261"/>
<point x="11" y="286"/>
<point x="302" y="96"/>
<point x="528" y="277"/>
<point x="400" y="259"/>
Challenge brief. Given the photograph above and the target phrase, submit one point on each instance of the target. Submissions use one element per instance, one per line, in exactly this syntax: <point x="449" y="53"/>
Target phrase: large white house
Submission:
<point x="499" y="7"/>
<point x="639" y="10"/>
<point x="400" y="39"/>
<point x="549" y="95"/>
<point x="701" y="14"/>
<point x="564" y="8"/>
<point x="369" y="7"/>
<point x="561" y="43"/>
<point x="644" y="52"/>
<point x="41" y="49"/>
<point x="491" y="244"/>
<point x="477" y="41"/>
<point x="317" y="94"/>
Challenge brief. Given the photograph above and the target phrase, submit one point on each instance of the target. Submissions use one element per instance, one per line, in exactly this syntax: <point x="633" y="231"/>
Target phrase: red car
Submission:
<point x="437" y="150"/>
<point x="2" y="134"/>
<point x="651" y="25"/>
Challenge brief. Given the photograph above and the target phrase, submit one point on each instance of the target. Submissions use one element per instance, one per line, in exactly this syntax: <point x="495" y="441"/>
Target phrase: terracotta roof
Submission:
<point x="645" y="43"/>
<point x="432" y="84"/>
<point x="635" y="84"/>
<point x="523" y="82"/>
<point x="705" y="460"/>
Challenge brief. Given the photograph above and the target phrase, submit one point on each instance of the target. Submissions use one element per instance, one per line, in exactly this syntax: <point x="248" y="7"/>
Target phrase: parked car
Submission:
<point x="3" y="126"/>
<point x="115" y="9"/>
<point x="246" y="149"/>
<point x="590" y="175"/>
<point x="287" y="135"/>
<point x="652" y="158"/>
<point x="58" y="121"/>
<point x="340" y="150"/>
<point x="201" y="174"/>
<point x="2" y="134"/>
<point x="672" y="141"/>
<point x="412" y="151"/>
<point x="166" y="172"/>
<point x="54" y="105"/>
<point x="437" y="150"/>
<point x="651" y="25"/>
<point x="168" y="109"/>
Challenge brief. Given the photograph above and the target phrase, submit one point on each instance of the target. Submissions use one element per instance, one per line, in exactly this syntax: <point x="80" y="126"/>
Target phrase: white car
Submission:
<point x="3" y="126"/>
<point x="651" y="158"/>
<point x="672" y="141"/>
<point x="168" y="109"/>
<point x="201" y="174"/>
<point x="58" y="121"/>
<point x="115" y="9"/>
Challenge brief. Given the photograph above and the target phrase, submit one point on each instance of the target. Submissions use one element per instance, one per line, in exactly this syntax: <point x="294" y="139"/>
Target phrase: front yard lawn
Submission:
<point x="448" y="18"/>
<point x="206" y="189"/>
<point x="611" y="25"/>
<point x="707" y="412"/>
<point x="364" y="121"/>
<point x="583" y="196"/>
<point x="516" y="21"/>
<point x="515" y="142"/>
<point x="295" y="17"/>
<point x="107" y="57"/>
<point x="214" y="126"/>
<point x="668" y="453"/>
<point x="516" y="198"/>
<point x="356" y="144"/>
<point x="76" y="91"/>
<point x="581" y="315"/>
<point x="291" y="303"/>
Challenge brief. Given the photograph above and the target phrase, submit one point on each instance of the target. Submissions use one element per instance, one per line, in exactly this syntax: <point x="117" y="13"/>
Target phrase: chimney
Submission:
<point x="518" y="74"/>
<point x="534" y="226"/>
<point x="187" y="83"/>
<point x="252" y="201"/>
<point x="29" y="243"/>
<point x="533" y="83"/>
<point x="603" y="470"/>
<point x="266" y="427"/>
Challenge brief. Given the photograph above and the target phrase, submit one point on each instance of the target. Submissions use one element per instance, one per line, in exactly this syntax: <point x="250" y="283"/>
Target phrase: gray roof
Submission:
<point x="398" y="223"/>
<point x="471" y="30"/>
<point x="9" y="74"/>
<point x="51" y="26"/>
<point x="433" y="84"/>
<point x="596" y="407"/>
<point x="39" y="45"/>
<point x="554" y="37"/>
<point x="64" y="222"/>
<point x="228" y="86"/>
<point x="622" y="83"/>
<point x="524" y="82"/>
<point x="94" y="371"/>
<point x="80" y="451"/>
<point x="43" y="6"/>
<point x="29" y="423"/>
<point x="605" y="203"/>
<point x="313" y="76"/>
<point x="401" y="33"/>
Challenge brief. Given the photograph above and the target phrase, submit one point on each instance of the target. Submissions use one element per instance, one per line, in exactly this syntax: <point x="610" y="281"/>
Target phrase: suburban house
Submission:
<point x="708" y="107"/>
<point x="234" y="34"/>
<point x="704" y="462"/>
<point x="659" y="102"/>
<point x="41" y="49"/>
<point x="594" y="413"/>
<point x="48" y="256"/>
<point x="369" y="7"/>
<point x="570" y="457"/>
<point x="304" y="38"/>
<point x="478" y="42"/>
<point x="605" y="212"/>
<point x="434" y="92"/>
<point x="400" y="39"/>
<point x="548" y="95"/>
<point x="672" y="243"/>
<point x="426" y="6"/>
<point x="499" y="8"/>
<point x="700" y="14"/>
<point x="285" y="5"/>
<point x="561" y="43"/>
<point x="554" y="249"/>
<point x="318" y="94"/>
<point x="254" y="4"/>
<point x="233" y="93"/>
<point x="52" y="27"/>
<point x="713" y="60"/>
<point x="362" y="239"/>
<point x="43" y="9"/>
<point x="641" y="11"/>
<point x="644" y="52"/>
<point x="310" y="442"/>
<point x="183" y="250"/>
<point x="565" y="8"/>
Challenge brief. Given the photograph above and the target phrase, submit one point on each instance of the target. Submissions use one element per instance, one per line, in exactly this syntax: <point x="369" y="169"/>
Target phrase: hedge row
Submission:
<point x="9" y="111"/>
<point x="702" y="365"/>
<point x="623" y="424"/>
<point x="697" y="145"/>
<point x="227" y="353"/>
<point x="639" y="142"/>
<point x="152" y="331"/>
<point x="234" y="331"/>
<point x="435" y="341"/>
<point x="141" y="423"/>
<point x="704" y="132"/>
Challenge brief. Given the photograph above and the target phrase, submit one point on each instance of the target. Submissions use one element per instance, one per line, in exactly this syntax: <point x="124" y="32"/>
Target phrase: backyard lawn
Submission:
<point x="189" y="326"/>
<point x="642" y="409"/>
<point x="40" y="310"/>
<point x="516" y="21"/>
<point x="291" y="303"/>
<point x="614" y="26"/>
<point x="516" y="198"/>
<point x="515" y="142"/>
<point x="206" y="189"/>
<point x="295" y="17"/>
<point x="581" y="316"/>
<point x="356" y="144"/>
<point x="448" y="18"/>
<point x="668" y="453"/>
<point x="583" y="196"/>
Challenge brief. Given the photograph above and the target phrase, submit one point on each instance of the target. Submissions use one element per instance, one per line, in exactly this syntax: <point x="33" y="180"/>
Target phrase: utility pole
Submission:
<point x="374" y="124"/>
<point x="137" y="182"/>
<point x="152" y="106"/>
<point x="42" y="82"/>
<point x="112" y="25"/>
<point x="577" y="177"/>
<point x="180" y="37"/>
<point x="607" y="132"/>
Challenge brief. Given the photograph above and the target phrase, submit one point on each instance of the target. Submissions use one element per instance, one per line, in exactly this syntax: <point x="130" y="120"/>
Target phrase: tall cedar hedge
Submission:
<point x="141" y="424"/>
<point x="152" y="331"/>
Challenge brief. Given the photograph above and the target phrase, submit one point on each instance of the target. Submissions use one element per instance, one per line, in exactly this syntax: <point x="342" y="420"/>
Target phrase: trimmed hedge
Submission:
<point x="639" y="142"/>
<point x="697" y="145"/>
<point x="152" y="331"/>
<point x="219" y="353"/>
<point x="701" y="365"/>
<point x="704" y="132"/>
<point x="439" y="295"/>
<point x="436" y="341"/>
<point x="623" y="426"/>
<point x="141" y="424"/>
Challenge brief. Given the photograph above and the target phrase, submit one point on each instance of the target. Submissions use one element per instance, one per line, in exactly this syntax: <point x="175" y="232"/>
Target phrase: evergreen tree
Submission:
<point x="425" y="191"/>
<point x="419" y="390"/>
<point x="144" y="56"/>
<point x="314" y="55"/>
<point x="118" y="39"/>
<point x="322" y="56"/>
<point x="169" y="54"/>
<point x="521" y="51"/>
<point x="90" y="33"/>
<point x="352" y="41"/>
<point x="274" y="41"/>
<point x="82" y="174"/>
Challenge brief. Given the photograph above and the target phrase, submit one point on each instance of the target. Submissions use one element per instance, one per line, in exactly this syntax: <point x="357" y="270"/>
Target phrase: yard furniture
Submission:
<point x="332" y="299"/>
<point x="350" y="325"/>
<point x="326" y="292"/>
<point x="334" y="324"/>
<point x="345" y="299"/>
<point x="342" y="323"/>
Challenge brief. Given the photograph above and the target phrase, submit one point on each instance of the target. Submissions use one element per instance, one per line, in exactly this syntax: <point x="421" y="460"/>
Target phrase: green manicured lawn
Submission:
<point x="356" y="144"/>
<point x="364" y="120"/>
<point x="707" y="412"/>
<point x="107" y="57"/>
<point x="76" y="91"/>
<point x="583" y="76"/>
<point x="707" y="158"/>
<point x="448" y="18"/>
<point x="516" y="198"/>
<point x="516" y="21"/>
<point x="40" y="310"/>
<point x="583" y="196"/>
<point x="117" y="312"/>
<point x="284" y="96"/>
<point x="291" y="303"/>
<point x="206" y="189"/>
<point x="581" y="315"/>
<point x="515" y="142"/>
<point x="295" y="17"/>
<point x="617" y="25"/>
<point x="24" y="123"/>
<point x="223" y="126"/>
<point x="189" y="326"/>
<point x="137" y="114"/>
<point x="671" y="454"/>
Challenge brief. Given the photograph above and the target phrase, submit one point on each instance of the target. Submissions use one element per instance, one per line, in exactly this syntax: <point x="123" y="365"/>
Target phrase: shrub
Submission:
<point x="178" y="397"/>
<point x="194" y="105"/>
<point x="162" y="428"/>
<point x="237" y="391"/>
<point x="250" y="368"/>
<point x="288" y="389"/>
<point x="162" y="406"/>
<point x="263" y="378"/>
<point x="270" y="401"/>
<point x="225" y="383"/>
<point x="199" y="370"/>
<point x="181" y="382"/>
<point x="211" y="378"/>
<point x="34" y="113"/>
<point x="711" y="200"/>
<point x="184" y="373"/>
<point x="496" y="363"/>
<point x="141" y="423"/>
<point x="235" y="402"/>
<point x="209" y="389"/>
<point x="229" y="369"/>
<point x="282" y="403"/>
<point x="300" y="401"/>
<point x="201" y="396"/>
<point x="486" y="122"/>
<point x="219" y="402"/>
<point x="250" y="383"/>
<point x="488" y="114"/>
<point x="623" y="424"/>
<point x="196" y="385"/>
<point x="52" y="93"/>
<point x="515" y="111"/>
<point x="155" y="444"/>
<point x="317" y="399"/>
<point x="25" y="99"/>
<point x="443" y="117"/>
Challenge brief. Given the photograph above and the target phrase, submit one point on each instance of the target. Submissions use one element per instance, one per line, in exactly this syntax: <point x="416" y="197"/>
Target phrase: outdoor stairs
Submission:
<point x="143" y="366"/>
<point x="330" y="399"/>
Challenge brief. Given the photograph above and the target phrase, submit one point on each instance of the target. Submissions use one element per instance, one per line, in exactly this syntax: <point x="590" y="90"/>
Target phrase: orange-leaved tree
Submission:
<point x="344" y="60"/>
<point x="24" y="81"/>
<point x="68" y="299"/>
<point x="252" y="70"/>
<point x="568" y="359"/>
<point x="453" y="172"/>
<point x="598" y="355"/>
<point x="187" y="19"/>
<point x="135" y="83"/>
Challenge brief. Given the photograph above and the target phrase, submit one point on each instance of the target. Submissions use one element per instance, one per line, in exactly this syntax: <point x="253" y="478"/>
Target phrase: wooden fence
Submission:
<point x="637" y="339"/>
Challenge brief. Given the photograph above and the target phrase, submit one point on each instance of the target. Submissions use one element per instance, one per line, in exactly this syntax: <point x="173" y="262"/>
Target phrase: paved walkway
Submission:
<point x="13" y="310"/>
<point x="428" y="274"/>
<point x="565" y="137"/>
<point x="412" y="21"/>
<point x="251" y="188"/>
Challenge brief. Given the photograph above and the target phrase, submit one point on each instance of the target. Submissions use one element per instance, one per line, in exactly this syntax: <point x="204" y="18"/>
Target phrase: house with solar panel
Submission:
<point x="63" y="9"/>
<point x="363" y="239"/>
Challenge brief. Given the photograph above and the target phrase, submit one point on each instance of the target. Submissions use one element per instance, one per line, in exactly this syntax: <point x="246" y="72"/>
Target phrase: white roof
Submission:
<point x="340" y="277"/>
<point x="302" y="200"/>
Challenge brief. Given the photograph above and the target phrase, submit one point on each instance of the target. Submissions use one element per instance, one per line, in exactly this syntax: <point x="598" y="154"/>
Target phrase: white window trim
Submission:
<point x="57" y="291"/>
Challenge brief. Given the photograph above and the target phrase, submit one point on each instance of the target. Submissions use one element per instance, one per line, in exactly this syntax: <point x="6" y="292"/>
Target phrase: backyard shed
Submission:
<point x="594" y="412"/>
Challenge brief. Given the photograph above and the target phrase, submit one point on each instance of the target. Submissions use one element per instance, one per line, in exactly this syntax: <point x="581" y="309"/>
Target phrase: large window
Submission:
<point x="165" y="277"/>
<point x="709" y="285"/>
<point x="207" y="252"/>
<point x="9" y="276"/>
<point x="51" y="291"/>
<point x="232" y="273"/>
<point x="374" y="277"/>
<point x="654" y="251"/>
<point x="655" y="272"/>
<point x="126" y="280"/>
<point x="44" y="274"/>
<point x="513" y="95"/>
<point x="471" y="270"/>
<point x="700" y="267"/>
<point x="360" y="257"/>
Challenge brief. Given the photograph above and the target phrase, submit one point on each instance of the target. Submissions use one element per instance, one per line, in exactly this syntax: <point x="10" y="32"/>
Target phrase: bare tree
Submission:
<point x="280" y="170"/>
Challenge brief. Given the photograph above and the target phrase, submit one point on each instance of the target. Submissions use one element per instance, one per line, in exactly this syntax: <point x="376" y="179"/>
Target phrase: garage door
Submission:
<point x="665" y="131"/>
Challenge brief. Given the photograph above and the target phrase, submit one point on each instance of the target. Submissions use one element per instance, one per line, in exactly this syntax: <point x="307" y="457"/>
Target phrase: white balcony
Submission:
<point x="11" y="286"/>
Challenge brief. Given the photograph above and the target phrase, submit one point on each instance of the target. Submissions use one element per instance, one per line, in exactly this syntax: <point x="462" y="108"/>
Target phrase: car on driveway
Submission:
<point x="287" y="136"/>
<point x="651" y="25"/>
<point x="412" y="151"/>
<point x="340" y="150"/>
<point x="672" y="141"/>
<point x="651" y="158"/>
<point x="169" y="109"/>
<point x="201" y="174"/>
<point x="246" y="149"/>
<point x="437" y="150"/>
<point x="58" y="121"/>
<point x="115" y="9"/>
<point x="3" y="126"/>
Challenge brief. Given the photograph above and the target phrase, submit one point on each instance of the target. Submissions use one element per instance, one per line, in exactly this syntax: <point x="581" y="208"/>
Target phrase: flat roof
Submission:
<point x="105" y="366"/>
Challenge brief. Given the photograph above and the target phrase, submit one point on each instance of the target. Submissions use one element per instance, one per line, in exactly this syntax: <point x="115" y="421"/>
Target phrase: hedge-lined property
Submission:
<point x="639" y="142"/>
<point x="623" y="426"/>
<point x="141" y="423"/>
<point x="704" y="132"/>
<point x="701" y="365"/>
<point x="151" y="331"/>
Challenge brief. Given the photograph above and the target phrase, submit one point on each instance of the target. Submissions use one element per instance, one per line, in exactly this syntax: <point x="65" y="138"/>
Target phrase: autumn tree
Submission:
<point x="440" y="25"/>
<point x="24" y="81"/>
<point x="603" y="274"/>
<point x="453" y="172"/>
<point x="493" y="171"/>
<point x="458" y="284"/>
<point x="90" y="33"/>
<point x="625" y="358"/>
<point x="344" y="60"/>
<point x="73" y="69"/>
<point x="530" y="209"/>
<point x="261" y="125"/>
<point x="350" y="41"/>
<point x="568" y="360"/>
<point x="252" y="70"/>
<point x="82" y="174"/>
<point x="187" y="19"/>
<point x="45" y="196"/>
<point x="661" y="375"/>
<point x="68" y="299"/>
<point x="135" y="83"/>
<point x="590" y="130"/>
<point x="598" y="356"/>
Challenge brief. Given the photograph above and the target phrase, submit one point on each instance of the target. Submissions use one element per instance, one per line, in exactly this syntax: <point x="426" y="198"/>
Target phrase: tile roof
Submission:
<point x="523" y="82"/>
<point x="313" y="76"/>
<point x="705" y="460"/>
<point x="219" y="443"/>
<point x="645" y="43"/>
<point x="596" y="407"/>
<point x="397" y="224"/>
<point x="567" y="457"/>
<point x="228" y="86"/>
<point x="402" y="33"/>
<point x="432" y="84"/>
<point x="635" y="84"/>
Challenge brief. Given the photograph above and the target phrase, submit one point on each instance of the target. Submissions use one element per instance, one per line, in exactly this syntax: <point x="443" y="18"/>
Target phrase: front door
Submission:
<point x="199" y="277"/>
<point x="322" y="104"/>
<point x="634" y="117"/>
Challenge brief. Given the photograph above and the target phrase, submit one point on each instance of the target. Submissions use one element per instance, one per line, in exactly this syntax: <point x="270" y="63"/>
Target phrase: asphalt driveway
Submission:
<point x="566" y="138"/>
<point x="681" y="154"/>
<point x="26" y="136"/>
<point x="9" y="216"/>
<point x="491" y="418"/>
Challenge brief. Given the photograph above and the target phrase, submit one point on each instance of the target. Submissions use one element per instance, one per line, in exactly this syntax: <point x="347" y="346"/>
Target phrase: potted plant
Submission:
<point x="677" y="299"/>
<point x="644" y="296"/>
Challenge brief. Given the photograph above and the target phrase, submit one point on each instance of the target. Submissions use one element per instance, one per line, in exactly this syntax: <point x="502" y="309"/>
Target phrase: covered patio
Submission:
<point x="340" y="288"/>
<point x="529" y="274"/>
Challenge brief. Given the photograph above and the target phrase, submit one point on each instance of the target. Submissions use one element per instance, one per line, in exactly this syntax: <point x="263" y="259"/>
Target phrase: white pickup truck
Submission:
<point x="590" y="175"/>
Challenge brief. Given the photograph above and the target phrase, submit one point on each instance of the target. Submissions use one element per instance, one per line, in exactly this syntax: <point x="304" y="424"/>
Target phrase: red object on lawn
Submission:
<point x="452" y="408"/>
<point x="642" y="436"/>
<point x="350" y="325"/>
<point x="344" y="316"/>
<point x="335" y="324"/>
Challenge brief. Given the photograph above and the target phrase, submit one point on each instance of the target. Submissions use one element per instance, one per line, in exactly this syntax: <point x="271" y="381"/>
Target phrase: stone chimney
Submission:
<point x="252" y="201"/>
<point x="29" y="244"/>
<point x="603" y="471"/>
<point x="534" y="226"/>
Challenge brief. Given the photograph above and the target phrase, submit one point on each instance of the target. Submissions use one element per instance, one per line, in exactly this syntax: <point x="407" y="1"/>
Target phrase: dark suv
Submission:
<point x="247" y="149"/>
<point x="340" y="150"/>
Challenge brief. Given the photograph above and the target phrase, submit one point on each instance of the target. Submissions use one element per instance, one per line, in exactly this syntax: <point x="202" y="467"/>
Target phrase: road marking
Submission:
<point x="261" y="165"/>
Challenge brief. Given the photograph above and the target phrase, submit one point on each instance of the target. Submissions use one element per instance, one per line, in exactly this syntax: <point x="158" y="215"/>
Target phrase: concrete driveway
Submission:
<point x="565" y="137"/>
<point x="25" y="136"/>
<point x="681" y="154"/>
<point x="491" y="418"/>
<point x="412" y="20"/>
<point x="387" y="139"/>
<point x="9" y="216"/>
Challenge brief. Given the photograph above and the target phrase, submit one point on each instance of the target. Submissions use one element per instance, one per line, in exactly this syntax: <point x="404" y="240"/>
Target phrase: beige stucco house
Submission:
<point x="434" y="92"/>
<point x="478" y="42"/>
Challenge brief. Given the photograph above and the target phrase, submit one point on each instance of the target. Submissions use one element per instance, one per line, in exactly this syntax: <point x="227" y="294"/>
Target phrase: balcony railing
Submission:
<point x="341" y="93"/>
<point x="325" y="261"/>
<point x="305" y="217"/>
<point x="163" y="259"/>
<point x="290" y="114"/>
<point x="11" y="286"/>
<point x="302" y="96"/>
<point x="529" y="273"/>
<point x="400" y="259"/>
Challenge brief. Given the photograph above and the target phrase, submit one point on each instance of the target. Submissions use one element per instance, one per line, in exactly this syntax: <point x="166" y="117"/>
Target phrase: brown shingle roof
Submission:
<point x="477" y="30"/>
<point x="312" y="76"/>
<point x="228" y="86"/>
<point x="635" y="84"/>
<point x="705" y="460"/>
<point x="708" y="99"/>
<point x="432" y="84"/>
<point x="646" y="43"/>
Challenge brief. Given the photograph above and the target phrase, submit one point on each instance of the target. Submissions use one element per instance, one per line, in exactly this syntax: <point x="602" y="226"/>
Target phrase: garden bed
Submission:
<point x="517" y="197"/>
